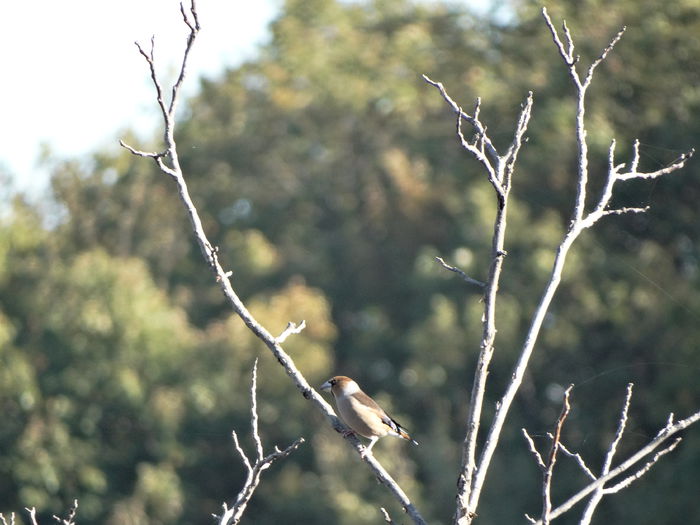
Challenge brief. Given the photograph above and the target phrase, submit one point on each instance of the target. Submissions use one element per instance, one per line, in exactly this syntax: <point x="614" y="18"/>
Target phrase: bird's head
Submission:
<point x="341" y="386"/>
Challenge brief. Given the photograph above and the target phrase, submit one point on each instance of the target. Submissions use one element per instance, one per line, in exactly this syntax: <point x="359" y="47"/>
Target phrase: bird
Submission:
<point x="362" y="413"/>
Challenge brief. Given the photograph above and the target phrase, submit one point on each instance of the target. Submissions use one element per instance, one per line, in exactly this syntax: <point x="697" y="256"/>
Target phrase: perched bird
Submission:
<point x="361" y="413"/>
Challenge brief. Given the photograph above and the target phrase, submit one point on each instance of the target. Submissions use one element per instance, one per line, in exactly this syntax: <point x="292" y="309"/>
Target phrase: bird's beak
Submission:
<point x="326" y="385"/>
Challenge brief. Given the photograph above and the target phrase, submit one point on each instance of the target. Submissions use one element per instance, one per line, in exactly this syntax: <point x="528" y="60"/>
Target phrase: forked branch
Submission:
<point x="222" y="277"/>
<point x="499" y="169"/>
<point x="599" y="487"/>
<point x="233" y="514"/>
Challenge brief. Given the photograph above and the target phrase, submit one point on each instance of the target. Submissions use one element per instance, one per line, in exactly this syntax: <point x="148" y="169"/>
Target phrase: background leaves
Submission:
<point x="328" y="174"/>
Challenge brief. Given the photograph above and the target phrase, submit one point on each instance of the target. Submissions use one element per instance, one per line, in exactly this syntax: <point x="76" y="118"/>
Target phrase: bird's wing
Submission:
<point x="388" y="421"/>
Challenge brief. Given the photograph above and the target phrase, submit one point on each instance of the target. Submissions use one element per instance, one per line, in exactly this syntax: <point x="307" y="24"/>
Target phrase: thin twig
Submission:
<point x="630" y="479"/>
<point x="552" y="459"/>
<point x="459" y="272"/>
<point x="473" y="120"/>
<point x="533" y="450"/>
<point x="70" y="519"/>
<point x="292" y="328"/>
<point x="576" y="456"/>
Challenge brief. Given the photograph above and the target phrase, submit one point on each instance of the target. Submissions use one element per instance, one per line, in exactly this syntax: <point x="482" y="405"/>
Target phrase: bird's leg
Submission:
<point x="368" y="448"/>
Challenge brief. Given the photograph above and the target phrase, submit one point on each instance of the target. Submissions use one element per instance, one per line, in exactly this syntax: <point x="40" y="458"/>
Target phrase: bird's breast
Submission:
<point x="361" y="418"/>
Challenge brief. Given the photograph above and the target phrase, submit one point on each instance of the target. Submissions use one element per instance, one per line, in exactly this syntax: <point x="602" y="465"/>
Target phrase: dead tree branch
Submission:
<point x="459" y="272"/>
<point x="598" y="488"/>
<point x="499" y="170"/>
<point x="233" y="514"/>
<point x="548" y="467"/>
<point x="168" y="162"/>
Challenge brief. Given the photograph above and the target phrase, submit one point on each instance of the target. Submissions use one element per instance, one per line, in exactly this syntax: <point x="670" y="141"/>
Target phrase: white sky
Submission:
<point x="72" y="77"/>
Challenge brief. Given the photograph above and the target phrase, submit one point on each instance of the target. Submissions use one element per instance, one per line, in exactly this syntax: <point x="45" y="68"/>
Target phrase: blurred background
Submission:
<point x="329" y="175"/>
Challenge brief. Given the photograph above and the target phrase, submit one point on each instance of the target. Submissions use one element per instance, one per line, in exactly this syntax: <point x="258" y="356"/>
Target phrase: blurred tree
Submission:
<point x="329" y="176"/>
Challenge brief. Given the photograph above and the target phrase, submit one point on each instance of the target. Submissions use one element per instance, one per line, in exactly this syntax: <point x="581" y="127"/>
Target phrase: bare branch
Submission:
<point x="292" y="328"/>
<point x="552" y="459"/>
<point x="674" y="166"/>
<point x="474" y="121"/>
<point x="567" y="55"/>
<point x="241" y="452"/>
<point x="32" y="514"/>
<point x="4" y="520"/>
<point x="254" y="411"/>
<point x="459" y="272"/>
<point x="386" y="516"/>
<point x="518" y="139"/>
<point x="577" y="457"/>
<point x="478" y="152"/>
<point x="139" y="153"/>
<point x="474" y="474"/>
<point x="70" y="519"/>
<point x="210" y="254"/>
<point x="499" y="172"/>
<point x="660" y="439"/>
<point x="622" y="211"/>
<point x="635" y="156"/>
<point x="598" y="494"/>
<point x="533" y="449"/>
<point x="232" y="515"/>
<point x="150" y="60"/>
<point x="629" y="480"/>
<point x="603" y="55"/>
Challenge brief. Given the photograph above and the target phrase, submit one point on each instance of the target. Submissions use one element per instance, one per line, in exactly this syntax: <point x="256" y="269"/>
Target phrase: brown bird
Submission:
<point x="361" y="413"/>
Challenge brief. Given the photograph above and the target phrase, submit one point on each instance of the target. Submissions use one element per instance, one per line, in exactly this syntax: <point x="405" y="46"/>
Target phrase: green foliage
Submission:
<point x="329" y="176"/>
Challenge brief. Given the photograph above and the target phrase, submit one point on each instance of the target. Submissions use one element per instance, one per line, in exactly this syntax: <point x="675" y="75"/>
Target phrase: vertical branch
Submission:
<point x="549" y="470"/>
<point x="254" y="411"/>
<point x="233" y="514"/>
<point x="499" y="170"/>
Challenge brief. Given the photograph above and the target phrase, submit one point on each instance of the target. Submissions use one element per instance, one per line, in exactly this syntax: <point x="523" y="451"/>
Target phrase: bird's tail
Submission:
<point x="405" y="435"/>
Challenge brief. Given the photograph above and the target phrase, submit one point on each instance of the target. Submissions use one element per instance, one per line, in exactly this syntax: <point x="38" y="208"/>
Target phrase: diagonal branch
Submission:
<point x="660" y="439"/>
<point x="210" y="254"/>
<point x="459" y="272"/>
<point x="70" y="518"/>
<point x="473" y="120"/>
<point x="577" y="457"/>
